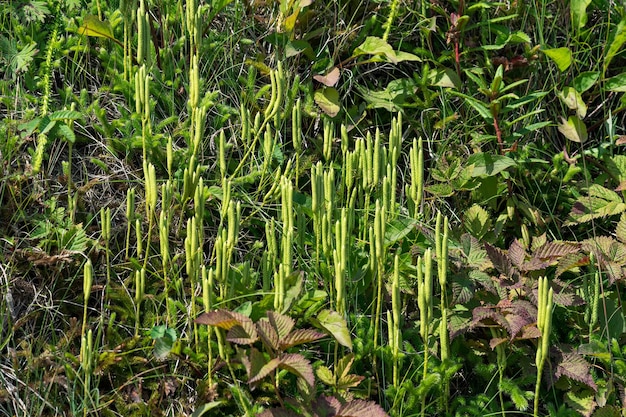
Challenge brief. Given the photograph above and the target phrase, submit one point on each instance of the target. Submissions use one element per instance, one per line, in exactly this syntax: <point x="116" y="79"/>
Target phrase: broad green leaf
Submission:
<point x="328" y="100"/>
<point x="617" y="83"/>
<point x="573" y="129"/>
<point x="46" y="125"/>
<point x="164" y="339"/>
<point x="29" y="127"/>
<point x="445" y="77"/>
<point x="562" y="57"/>
<point x="585" y="80"/>
<point x="578" y="13"/>
<point x="574" y="101"/>
<point x="489" y="164"/>
<point x="333" y="323"/>
<point x="617" y="41"/>
<point x="399" y="228"/>
<point x="406" y="56"/>
<point x="297" y="47"/>
<point x="376" y="46"/>
<point x="92" y="26"/>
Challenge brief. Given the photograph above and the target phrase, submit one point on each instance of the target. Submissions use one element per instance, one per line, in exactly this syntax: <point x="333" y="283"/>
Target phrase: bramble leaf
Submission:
<point x="298" y="365"/>
<point x="300" y="336"/>
<point x="574" y="366"/>
<point x="281" y="323"/>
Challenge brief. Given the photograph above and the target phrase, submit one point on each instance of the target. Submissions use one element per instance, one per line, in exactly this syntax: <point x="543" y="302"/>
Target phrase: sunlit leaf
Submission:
<point x="336" y="325"/>
<point x="445" y="77"/>
<point x="328" y="100"/>
<point x="92" y="26"/>
<point x="325" y="375"/>
<point x="376" y="46"/>
<point x="562" y="57"/>
<point x="573" y="129"/>
<point x="578" y="13"/>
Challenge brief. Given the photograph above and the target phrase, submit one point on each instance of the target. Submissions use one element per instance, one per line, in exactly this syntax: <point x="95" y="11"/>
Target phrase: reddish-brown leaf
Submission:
<point x="361" y="408"/>
<point x="298" y="365"/>
<point x="299" y="336"/>
<point x="574" y="366"/>
<point x="281" y="323"/>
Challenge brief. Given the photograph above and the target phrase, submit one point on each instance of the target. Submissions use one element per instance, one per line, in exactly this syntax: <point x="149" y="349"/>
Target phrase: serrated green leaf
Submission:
<point x="327" y="99"/>
<point x="474" y="253"/>
<point x="477" y="221"/>
<point x="583" y="402"/>
<point x="620" y="230"/>
<point x="562" y="57"/>
<point x="336" y="326"/>
<point x="440" y="190"/>
<point x="518" y="396"/>
<point x="573" y="129"/>
<point x="326" y="376"/>
<point x="67" y="132"/>
<point x="65" y="115"/>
